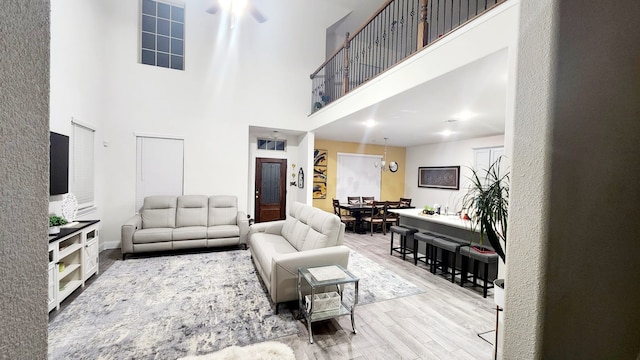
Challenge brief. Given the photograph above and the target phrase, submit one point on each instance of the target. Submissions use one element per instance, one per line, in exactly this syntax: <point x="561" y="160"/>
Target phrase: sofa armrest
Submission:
<point x="269" y="227"/>
<point x="243" y="224"/>
<point x="284" y="273"/>
<point x="130" y="226"/>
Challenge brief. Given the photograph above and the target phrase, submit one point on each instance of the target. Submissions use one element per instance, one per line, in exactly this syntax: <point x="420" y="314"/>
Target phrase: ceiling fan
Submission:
<point x="236" y="8"/>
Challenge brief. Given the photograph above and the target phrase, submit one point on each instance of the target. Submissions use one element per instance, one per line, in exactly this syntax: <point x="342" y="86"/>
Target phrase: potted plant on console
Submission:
<point x="54" y="224"/>
<point x="488" y="200"/>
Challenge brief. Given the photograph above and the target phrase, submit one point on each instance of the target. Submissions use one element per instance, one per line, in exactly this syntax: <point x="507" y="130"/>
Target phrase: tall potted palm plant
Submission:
<point x="487" y="203"/>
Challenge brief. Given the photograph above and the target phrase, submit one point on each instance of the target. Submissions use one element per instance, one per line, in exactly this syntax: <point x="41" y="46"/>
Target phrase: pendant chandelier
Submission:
<point x="383" y="163"/>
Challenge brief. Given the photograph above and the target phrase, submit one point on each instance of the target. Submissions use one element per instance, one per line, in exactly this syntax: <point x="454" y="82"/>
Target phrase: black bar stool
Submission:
<point x="477" y="257"/>
<point x="427" y="238"/>
<point x="404" y="232"/>
<point x="449" y="248"/>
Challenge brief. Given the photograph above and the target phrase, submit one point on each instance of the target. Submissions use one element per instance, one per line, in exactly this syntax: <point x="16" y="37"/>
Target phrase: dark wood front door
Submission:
<point x="271" y="178"/>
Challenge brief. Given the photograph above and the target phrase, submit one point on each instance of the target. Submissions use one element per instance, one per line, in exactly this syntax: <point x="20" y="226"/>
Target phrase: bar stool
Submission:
<point x="477" y="257"/>
<point x="449" y="248"/>
<point x="427" y="238"/>
<point x="404" y="232"/>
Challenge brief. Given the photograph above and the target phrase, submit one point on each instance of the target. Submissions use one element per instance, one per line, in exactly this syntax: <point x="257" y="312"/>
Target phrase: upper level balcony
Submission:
<point x="398" y="30"/>
<point x="459" y="64"/>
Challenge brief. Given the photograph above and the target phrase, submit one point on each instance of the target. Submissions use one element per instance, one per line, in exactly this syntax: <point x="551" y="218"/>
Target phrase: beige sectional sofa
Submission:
<point x="308" y="237"/>
<point x="185" y="222"/>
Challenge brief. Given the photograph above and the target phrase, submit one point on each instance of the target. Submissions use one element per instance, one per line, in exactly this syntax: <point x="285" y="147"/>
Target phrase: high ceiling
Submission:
<point x="473" y="96"/>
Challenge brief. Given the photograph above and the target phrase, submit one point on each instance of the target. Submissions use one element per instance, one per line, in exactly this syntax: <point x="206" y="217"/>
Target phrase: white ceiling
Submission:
<point x="419" y="115"/>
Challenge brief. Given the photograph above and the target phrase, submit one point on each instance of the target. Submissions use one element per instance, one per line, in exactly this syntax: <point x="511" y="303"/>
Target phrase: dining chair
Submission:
<point x="376" y="216"/>
<point x="353" y="199"/>
<point x="392" y="218"/>
<point x="368" y="199"/>
<point x="346" y="219"/>
<point x="405" y="202"/>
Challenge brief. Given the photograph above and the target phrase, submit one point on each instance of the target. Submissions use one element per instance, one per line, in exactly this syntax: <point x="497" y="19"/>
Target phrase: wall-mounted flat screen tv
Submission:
<point x="58" y="164"/>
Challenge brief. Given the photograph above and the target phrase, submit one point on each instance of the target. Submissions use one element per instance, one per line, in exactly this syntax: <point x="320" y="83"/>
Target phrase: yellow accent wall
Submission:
<point x="392" y="184"/>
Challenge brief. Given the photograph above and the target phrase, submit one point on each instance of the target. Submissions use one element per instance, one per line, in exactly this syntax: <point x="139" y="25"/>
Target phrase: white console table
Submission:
<point x="73" y="258"/>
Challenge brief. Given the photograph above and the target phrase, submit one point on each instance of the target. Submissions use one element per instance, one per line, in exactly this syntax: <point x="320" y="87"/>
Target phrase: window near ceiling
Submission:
<point x="82" y="161"/>
<point x="272" y="144"/>
<point x="162" y="34"/>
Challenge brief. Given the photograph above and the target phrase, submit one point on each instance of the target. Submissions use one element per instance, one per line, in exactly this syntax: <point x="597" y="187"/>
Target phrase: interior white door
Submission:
<point x="160" y="167"/>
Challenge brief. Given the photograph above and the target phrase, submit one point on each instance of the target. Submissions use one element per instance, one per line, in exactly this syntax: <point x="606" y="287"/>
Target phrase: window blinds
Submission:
<point x="82" y="163"/>
<point x="357" y="175"/>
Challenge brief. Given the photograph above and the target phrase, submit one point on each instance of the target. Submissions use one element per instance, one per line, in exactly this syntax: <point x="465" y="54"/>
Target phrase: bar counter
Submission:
<point x="450" y="225"/>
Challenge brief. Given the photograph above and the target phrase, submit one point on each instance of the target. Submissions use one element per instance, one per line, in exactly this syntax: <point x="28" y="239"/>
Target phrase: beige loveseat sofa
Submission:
<point x="308" y="237"/>
<point x="185" y="222"/>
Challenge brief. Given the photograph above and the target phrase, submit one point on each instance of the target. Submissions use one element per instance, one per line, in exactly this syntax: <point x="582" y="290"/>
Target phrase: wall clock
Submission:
<point x="393" y="166"/>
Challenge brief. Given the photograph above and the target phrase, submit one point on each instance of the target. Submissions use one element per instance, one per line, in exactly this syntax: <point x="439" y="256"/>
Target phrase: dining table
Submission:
<point x="357" y="209"/>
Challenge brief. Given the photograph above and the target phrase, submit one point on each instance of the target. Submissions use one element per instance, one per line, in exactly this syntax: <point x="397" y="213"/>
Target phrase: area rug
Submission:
<point x="270" y="350"/>
<point x="188" y="304"/>
<point x="377" y="283"/>
<point x="167" y="307"/>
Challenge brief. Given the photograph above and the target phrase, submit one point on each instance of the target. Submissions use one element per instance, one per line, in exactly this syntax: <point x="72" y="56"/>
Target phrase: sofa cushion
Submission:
<point x="192" y="210"/>
<point x="288" y="227"/>
<point x="145" y="236"/>
<point x="296" y="208"/>
<point x="223" y="210"/>
<point x="190" y="233"/>
<point x="271" y="246"/>
<point x="315" y="240"/>
<point x="297" y="234"/>
<point x="223" y="231"/>
<point x="159" y="212"/>
<point x="325" y="224"/>
<point x="306" y="214"/>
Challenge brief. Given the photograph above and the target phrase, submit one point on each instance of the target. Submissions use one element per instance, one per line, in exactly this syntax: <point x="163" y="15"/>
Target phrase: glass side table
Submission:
<point x="322" y="306"/>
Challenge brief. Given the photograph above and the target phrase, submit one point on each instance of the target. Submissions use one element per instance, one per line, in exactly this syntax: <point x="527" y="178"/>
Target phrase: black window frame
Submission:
<point x="162" y="34"/>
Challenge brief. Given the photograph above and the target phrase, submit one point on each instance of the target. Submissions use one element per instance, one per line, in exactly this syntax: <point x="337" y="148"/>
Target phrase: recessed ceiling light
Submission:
<point x="446" y="133"/>
<point x="370" y="123"/>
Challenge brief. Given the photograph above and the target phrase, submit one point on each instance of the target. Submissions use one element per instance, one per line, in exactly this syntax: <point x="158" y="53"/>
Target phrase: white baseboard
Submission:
<point x="109" y="245"/>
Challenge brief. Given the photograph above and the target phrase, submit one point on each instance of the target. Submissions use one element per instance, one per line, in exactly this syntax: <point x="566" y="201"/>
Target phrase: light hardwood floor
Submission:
<point x="441" y="323"/>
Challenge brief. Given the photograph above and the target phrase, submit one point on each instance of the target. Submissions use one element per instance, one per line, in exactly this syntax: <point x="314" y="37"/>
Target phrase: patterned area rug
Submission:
<point x="187" y="304"/>
<point x="376" y="282"/>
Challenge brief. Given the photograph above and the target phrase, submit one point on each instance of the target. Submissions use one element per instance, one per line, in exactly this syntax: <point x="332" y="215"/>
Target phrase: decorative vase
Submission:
<point x="498" y="292"/>
<point x="54" y="230"/>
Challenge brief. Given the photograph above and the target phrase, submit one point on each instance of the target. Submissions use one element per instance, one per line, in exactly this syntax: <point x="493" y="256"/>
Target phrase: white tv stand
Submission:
<point x="73" y="258"/>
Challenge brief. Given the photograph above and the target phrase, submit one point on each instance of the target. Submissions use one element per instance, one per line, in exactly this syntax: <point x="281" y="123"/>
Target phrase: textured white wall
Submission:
<point x="572" y="289"/>
<point x="24" y="175"/>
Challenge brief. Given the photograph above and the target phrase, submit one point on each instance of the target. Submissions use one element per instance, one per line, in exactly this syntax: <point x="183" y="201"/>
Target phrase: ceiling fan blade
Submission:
<point x="256" y="13"/>
<point x="213" y="8"/>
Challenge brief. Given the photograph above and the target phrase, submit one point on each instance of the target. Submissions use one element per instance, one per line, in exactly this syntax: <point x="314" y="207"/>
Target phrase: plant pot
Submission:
<point x="54" y="230"/>
<point x="498" y="292"/>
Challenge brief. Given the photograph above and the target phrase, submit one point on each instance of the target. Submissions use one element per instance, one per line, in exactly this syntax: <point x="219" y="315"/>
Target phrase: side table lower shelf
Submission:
<point x="307" y="309"/>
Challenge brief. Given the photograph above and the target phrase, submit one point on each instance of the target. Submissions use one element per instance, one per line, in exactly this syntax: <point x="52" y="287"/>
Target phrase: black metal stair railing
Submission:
<point x="397" y="30"/>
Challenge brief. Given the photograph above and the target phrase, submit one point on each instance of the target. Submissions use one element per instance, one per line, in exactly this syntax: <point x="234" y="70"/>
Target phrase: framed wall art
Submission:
<point x="439" y="177"/>
<point x="320" y="174"/>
